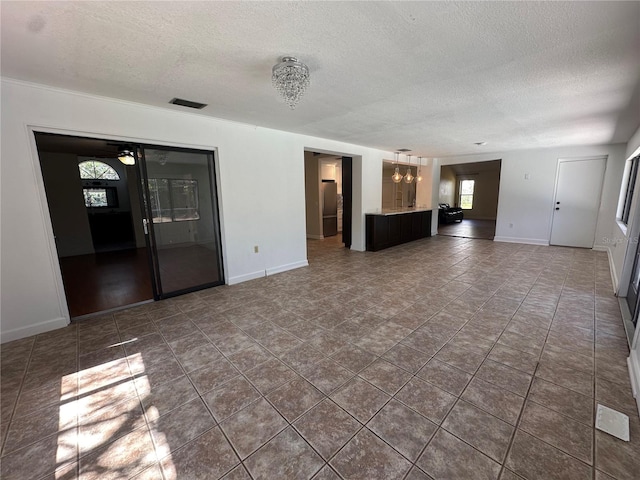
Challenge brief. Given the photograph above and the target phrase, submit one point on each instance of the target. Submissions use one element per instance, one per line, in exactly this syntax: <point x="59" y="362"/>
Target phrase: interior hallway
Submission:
<point x="443" y="358"/>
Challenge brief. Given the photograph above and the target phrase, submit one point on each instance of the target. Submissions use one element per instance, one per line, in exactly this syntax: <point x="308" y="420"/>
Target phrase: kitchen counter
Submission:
<point x="391" y="227"/>
<point x="396" y="211"/>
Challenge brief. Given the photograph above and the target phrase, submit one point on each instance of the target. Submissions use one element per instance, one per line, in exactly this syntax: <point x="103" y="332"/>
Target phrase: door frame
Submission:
<point x="631" y="293"/>
<point x="31" y="129"/>
<point x="158" y="290"/>
<point x="351" y="218"/>
<point x="347" y="201"/>
<point x="555" y="189"/>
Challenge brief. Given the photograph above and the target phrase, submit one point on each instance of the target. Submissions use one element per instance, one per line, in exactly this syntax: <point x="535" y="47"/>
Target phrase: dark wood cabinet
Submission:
<point x="384" y="231"/>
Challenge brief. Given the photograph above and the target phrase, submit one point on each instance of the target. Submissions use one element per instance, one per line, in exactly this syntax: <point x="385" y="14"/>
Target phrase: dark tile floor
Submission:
<point x="469" y="228"/>
<point x="446" y="358"/>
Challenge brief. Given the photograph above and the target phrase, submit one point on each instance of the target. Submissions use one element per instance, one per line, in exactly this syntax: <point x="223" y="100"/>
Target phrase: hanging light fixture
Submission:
<point x="419" y="174"/>
<point x="127" y="157"/>
<point x="408" y="178"/>
<point x="291" y="78"/>
<point x="397" y="176"/>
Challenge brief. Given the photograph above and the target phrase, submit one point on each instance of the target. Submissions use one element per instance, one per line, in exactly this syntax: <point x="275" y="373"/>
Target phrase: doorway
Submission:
<point x="328" y="199"/>
<point x="468" y="199"/>
<point x="577" y="201"/>
<point x="129" y="230"/>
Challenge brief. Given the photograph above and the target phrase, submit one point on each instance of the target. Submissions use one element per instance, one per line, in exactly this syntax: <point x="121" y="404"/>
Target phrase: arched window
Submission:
<point x="96" y="170"/>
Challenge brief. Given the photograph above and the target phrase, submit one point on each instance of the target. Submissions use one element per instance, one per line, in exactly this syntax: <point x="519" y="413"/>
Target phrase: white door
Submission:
<point x="577" y="201"/>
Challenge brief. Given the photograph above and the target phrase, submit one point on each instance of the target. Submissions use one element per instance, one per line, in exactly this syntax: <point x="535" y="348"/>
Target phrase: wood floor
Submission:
<point x="469" y="228"/>
<point x="102" y="281"/>
<point x="106" y="280"/>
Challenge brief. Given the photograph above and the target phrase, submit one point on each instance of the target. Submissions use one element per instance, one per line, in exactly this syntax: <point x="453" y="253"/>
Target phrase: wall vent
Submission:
<point x="188" y="103"/>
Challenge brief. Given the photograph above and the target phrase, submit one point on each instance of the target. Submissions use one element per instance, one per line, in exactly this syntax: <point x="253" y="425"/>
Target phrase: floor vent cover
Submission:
<point x="612" y="422"/>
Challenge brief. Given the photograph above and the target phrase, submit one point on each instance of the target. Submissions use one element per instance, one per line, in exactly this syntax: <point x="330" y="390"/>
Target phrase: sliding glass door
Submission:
<point x="182" y="220"/>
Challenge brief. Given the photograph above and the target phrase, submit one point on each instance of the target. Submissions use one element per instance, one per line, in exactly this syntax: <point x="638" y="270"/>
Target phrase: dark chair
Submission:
<point x="448" y="214"/>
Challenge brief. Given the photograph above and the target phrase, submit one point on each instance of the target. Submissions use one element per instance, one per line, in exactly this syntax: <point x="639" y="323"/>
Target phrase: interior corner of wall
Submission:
<point x="34" y="329"/>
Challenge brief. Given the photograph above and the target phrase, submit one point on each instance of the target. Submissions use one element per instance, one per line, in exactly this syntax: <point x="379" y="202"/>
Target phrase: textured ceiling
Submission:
<point x="434" y="77"/>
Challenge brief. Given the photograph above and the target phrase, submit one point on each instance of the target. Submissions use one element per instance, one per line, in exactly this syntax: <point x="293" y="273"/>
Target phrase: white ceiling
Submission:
<point x="434" y="77"/>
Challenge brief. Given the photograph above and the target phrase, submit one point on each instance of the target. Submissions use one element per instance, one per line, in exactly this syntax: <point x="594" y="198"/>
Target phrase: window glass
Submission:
<point x="173" y="200"/>
<point x="185" y="199"/>
<point x="100" y="197"/>
<point x="466" y="194"/>
<point x="630" y="187"/>
<point x="95" y="170"/>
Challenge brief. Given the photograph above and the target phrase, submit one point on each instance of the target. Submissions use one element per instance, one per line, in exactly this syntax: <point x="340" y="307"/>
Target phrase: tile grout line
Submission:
<point x="15" y="404"/>
<point x="413" y="375"/>
<point x="533" y="376"/>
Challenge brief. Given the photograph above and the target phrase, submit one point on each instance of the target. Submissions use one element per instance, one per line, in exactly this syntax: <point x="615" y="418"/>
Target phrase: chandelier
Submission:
<point x="291" y="78"/>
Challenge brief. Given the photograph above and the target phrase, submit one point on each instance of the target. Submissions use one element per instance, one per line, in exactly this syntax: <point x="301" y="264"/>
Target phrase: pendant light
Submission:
<point x="419" y="175"/>
<point x="408" y="178"/>
<point x="397" y="176"/>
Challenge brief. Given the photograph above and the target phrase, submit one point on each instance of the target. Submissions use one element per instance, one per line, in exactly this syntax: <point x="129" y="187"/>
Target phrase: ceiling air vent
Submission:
<point x="188" y="103"/>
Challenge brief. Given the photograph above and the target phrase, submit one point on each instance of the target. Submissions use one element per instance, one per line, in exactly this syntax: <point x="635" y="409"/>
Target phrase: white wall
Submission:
<point x="252" y="162"/>
<point x="525" y="206"/>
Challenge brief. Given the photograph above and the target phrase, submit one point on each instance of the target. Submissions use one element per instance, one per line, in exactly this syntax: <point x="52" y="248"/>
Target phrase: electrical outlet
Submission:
<point x="255" y="249"/>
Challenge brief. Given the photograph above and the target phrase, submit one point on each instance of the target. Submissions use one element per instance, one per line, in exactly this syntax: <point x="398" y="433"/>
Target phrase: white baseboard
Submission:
<point x="42" y="327"/>
<point x="315" y="237"/>
<point x="634" y="375"/>
<point x="246" y="277"/>
<point x="289" y="266"/>
<point x="528" y="241"/>
<point x="269" y="271"/>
